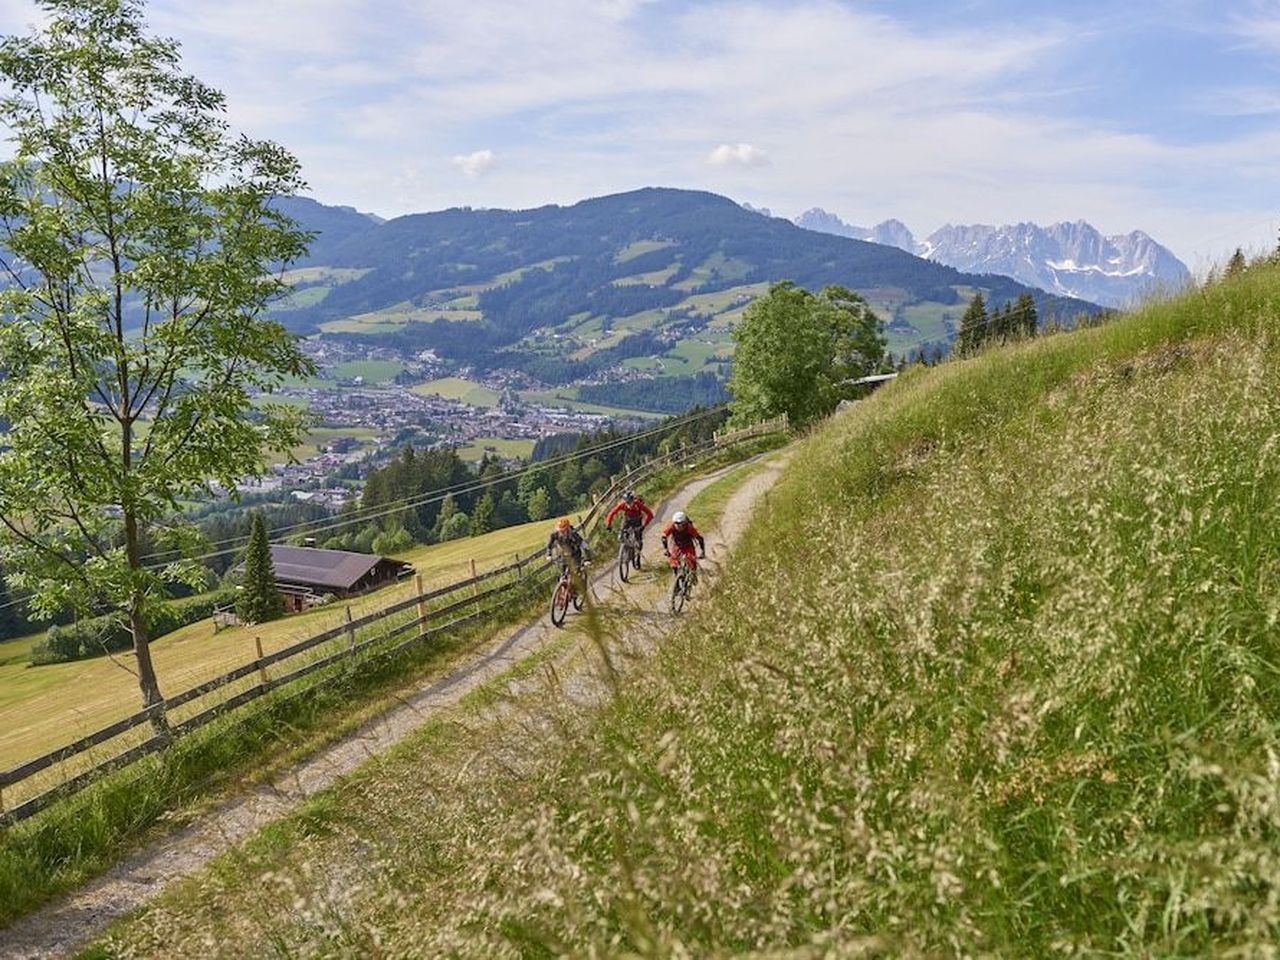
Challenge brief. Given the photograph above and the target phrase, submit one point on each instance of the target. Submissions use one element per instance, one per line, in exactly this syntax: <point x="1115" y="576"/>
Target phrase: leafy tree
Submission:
<point x="260" y="599"/>
<point x="569" y="484"/>
<point x="392" y="541"/>
<point x="973" y="326"/>
<point x="484" y="515"/>
<point x="458" y="525"/>
<point x="510" y="510"/>
<point x="796" y="352"/>
<point x="539" y="505"/>
<point x="142" y="248"/>
<point x="1236" y="265"/>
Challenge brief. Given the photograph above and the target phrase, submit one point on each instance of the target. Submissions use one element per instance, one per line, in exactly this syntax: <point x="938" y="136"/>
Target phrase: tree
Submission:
<point x="539" y="505"/>
<point x="260" y="599"/>
<point x="458" y="525"/>
<point x="1236" y="265"/>
<point x="973" y="326"/>
<point x="392" y="541"/>
<point x="1025" y="319"/>
<point x="141" y="252"/>
<point x="796" y="352"/>
<point x="484" y="515"/>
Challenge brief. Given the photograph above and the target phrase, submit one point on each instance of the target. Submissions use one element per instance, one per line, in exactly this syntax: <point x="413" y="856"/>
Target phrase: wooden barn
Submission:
<point x="305" y="574"/>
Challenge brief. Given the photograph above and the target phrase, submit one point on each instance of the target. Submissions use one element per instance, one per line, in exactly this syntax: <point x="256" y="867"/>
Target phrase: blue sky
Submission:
<point x="1154" y="116"/>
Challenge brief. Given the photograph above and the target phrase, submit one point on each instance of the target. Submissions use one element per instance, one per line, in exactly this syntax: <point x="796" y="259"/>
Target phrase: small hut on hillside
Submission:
<point x="305" y="574"/>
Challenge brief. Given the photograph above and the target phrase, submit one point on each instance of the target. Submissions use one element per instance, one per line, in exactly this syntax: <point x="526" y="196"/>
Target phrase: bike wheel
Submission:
<point x="559" y="603"/>
<point x="624" y="562"/>
<point x="678" y="594"/>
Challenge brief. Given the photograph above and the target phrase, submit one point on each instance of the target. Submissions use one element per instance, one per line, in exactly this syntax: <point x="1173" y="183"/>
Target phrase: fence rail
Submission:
<point x="521" y="576"/>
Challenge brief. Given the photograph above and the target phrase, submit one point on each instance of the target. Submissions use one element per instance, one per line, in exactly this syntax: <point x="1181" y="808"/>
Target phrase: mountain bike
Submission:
<point x="628" y="552"/>
<point x="682" y="585"/>
<point x="565" y="593"/>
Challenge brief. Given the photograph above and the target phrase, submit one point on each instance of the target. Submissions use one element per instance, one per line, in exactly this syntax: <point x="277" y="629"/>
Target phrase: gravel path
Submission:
<point x="72" y="921"/>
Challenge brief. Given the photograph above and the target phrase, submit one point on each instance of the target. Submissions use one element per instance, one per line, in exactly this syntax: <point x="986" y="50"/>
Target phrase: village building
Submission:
<point x="306" y="574"/>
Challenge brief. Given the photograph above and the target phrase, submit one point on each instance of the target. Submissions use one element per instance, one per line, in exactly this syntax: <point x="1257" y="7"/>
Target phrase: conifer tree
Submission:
<point x="260" y="599"/>
<point x="973" y="326"/>
<point x="1025" y="318"/>
<point x="483" y="515"/>
<point x="1236" y="265"/>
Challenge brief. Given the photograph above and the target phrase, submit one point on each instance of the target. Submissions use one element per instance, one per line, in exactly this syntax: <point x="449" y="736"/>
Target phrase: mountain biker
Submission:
<point x="567" y="545"/>
<point x="684" y="534"/>
<point x="635" y="515"/>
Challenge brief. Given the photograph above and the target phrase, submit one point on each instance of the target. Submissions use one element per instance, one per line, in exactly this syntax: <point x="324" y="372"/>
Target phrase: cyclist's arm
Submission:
<point x="647" y="517"/>
<point x="608" y="521"/>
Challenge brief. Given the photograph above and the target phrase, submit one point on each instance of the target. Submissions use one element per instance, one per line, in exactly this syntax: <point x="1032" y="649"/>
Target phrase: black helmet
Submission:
<point x="628" y="496"/>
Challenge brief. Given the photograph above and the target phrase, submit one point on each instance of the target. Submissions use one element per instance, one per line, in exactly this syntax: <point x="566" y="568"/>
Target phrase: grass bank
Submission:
<point x="1018" y="695"/>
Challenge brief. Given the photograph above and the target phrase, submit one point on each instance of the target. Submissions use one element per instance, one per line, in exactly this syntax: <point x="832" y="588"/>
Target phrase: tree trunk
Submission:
<point x="146" y="671"/>
<point x="150" y="687"/>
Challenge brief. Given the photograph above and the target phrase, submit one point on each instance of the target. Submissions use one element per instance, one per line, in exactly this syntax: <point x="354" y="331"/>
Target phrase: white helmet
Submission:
<point x="680" y="517"/>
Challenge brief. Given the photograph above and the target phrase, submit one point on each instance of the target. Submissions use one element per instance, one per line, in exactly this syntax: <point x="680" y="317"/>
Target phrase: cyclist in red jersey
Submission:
<point x="635" y="513"/>
<point x="683" y="535"/>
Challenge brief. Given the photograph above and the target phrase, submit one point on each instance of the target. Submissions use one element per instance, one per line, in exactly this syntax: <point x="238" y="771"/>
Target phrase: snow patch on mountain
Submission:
<point x="1069" y="259"/>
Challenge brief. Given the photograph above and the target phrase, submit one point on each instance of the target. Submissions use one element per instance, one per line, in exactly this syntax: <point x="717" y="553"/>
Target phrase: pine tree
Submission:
<point x="260" y="599"/>
<point x="483" y="515"/>
<point x="973" y="326"/>
<point x="1025" y="318"/>
<point x="1236" y="265"/>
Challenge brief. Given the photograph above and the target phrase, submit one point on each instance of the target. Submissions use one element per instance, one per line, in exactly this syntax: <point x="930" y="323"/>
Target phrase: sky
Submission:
<point x="1159" y="116"/>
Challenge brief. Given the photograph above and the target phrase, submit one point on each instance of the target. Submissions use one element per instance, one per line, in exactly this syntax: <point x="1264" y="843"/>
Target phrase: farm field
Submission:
<point x="42" y="707"/>
<point x="456" y="388"/>
<point x="560" y="397"/>
<point x="319" y="437"/>
<point x="502" y="446"/>
<point x="372" y="371"/>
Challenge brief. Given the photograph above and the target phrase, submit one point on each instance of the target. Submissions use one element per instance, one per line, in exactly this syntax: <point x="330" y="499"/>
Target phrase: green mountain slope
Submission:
<point x="562" y="291"/>
<point x="995" y="673"/>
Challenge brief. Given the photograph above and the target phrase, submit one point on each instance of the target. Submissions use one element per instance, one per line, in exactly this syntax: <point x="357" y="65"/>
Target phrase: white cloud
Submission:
<point x="474" y="164"/>
<point x="864" y="113"/>
<point x="737" y="155"/>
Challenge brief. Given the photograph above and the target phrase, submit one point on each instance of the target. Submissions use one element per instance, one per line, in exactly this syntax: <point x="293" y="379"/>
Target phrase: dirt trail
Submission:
<point x="67" y="924"/>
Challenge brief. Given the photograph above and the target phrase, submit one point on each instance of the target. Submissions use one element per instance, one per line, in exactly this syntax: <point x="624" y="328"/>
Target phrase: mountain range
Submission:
<point x="1067" y="259"/>
<point x="649" y="280"/>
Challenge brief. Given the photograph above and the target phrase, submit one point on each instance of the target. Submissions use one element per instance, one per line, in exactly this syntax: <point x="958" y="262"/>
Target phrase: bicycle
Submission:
<point x="565" y="593"/>
<point x="628" y="552"/>
<point x="682" y="585"/>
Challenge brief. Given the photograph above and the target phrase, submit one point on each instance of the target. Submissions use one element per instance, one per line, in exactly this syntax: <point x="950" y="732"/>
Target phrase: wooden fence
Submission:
<point x="778" y="424"/>
<point x="384" y="633"/>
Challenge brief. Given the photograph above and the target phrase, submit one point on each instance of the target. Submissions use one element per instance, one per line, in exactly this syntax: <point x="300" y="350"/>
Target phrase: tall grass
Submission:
<point x="998" y="673"/>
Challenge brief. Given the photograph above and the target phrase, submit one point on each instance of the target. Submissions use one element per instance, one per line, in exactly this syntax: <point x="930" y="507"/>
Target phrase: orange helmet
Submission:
<point x="563" y="524"/>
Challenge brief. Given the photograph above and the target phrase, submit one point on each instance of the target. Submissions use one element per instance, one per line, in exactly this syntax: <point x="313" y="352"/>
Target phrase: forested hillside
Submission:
<point x="563" y="291"/>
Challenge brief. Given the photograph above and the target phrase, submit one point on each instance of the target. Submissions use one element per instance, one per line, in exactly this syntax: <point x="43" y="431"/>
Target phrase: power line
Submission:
<point x="436" y="496"/>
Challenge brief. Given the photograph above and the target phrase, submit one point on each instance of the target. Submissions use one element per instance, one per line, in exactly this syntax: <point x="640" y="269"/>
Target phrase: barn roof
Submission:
<point x="340" y="569"/>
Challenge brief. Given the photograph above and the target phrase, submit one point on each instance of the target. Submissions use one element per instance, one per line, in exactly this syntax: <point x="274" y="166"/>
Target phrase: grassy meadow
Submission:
<point x="996" y="673"/>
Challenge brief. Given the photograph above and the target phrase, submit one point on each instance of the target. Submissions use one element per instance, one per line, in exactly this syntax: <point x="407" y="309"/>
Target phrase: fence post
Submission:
<point x="422" y="604"/>
<point x="262" y="671"/>
<point x="351" y="633"/>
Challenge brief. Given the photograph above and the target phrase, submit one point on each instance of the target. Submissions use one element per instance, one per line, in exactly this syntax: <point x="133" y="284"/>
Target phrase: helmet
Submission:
<point x="680" y="517"/>
<point x="629" y="496"/>
<point x="563" y="524"/>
